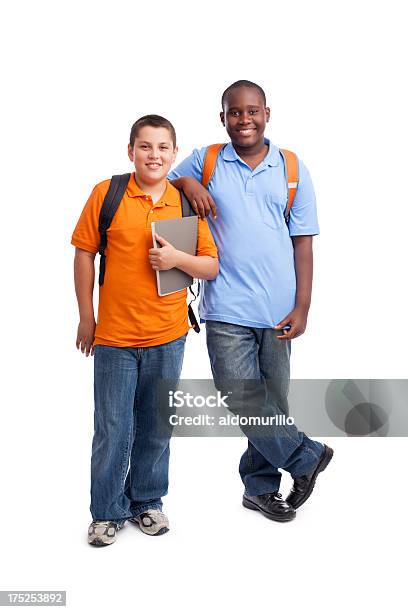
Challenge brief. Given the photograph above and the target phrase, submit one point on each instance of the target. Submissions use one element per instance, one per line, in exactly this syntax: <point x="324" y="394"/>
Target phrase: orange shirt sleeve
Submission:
<point x="86" y="235"/>
<point x="205" y="242"/>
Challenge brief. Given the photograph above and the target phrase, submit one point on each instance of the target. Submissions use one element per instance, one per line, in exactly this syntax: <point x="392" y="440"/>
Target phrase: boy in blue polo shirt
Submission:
<point x="260" y="300"/>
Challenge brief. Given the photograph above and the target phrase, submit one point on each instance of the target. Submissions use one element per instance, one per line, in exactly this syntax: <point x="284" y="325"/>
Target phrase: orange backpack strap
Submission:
<point x="292" y="177"/>
<point x="210" y="161"/>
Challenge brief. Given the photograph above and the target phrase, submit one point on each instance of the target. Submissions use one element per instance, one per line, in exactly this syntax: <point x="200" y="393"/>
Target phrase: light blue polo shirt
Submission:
<point x="256" y="285"/>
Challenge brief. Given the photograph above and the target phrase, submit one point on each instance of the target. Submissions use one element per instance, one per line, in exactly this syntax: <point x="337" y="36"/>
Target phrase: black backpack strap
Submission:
<point x="186" y="208"/>
<point x="191" y="315"/>
<point x="110" y="205"/>
<point x="187" y="211"/>
<point x="193" y="319"/>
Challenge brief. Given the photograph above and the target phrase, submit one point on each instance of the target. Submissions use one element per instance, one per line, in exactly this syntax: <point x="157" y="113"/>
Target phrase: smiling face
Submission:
<point x="153" y="153"/>
<point x="245" y="116"/>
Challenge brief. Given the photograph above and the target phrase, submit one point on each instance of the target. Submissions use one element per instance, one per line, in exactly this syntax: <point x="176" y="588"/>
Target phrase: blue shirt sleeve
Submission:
<point x="303" y="214"/>
<point x="191" y="166"/>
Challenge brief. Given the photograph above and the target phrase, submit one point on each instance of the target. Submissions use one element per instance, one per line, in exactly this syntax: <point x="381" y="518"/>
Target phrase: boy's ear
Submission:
<point x="268" y="113"/>
<point x="130" y="152"/>
<point x="175" y="151"/>
<point x="222" y="117"/>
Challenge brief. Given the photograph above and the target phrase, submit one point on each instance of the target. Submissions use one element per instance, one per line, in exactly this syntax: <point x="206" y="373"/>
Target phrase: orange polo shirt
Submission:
<point x="130" y="312"/>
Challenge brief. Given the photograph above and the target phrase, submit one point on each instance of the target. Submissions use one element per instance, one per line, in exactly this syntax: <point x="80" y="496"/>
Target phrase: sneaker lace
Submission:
<point x="156" y="514"/>
<point x="106" y="523"/>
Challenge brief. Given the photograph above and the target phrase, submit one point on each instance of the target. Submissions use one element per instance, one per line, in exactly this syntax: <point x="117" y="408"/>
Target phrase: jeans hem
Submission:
<point x="312" y="469"/>
<point x="262" y="492"/>
<point x="120" y="521"/>
<point x="146" y="507"/>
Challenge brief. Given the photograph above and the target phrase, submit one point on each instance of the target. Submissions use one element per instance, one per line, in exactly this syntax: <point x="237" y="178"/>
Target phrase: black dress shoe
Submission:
<point x="271" y="505"/>
<point x="303" y="486"/>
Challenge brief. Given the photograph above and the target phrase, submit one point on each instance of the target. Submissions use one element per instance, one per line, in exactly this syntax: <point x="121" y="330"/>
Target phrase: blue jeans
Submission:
<point x="244" y="353"/>
<point x="130" y="458"/>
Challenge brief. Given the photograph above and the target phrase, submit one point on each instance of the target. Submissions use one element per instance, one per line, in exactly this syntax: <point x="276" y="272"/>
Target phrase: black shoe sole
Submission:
<point x="321" y="466"/>
<point x="160" y="532"/>
<point x="100" y="543"/>
<point x="273" y="517"/>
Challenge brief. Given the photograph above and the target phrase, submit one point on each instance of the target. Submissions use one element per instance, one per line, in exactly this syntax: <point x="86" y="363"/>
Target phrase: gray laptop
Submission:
<point x="182" y="233"/>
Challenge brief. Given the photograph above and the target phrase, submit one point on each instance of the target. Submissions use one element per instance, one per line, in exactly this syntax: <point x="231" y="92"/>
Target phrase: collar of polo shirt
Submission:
<point x="171" y="197"/>
<point x="271" y="158"/>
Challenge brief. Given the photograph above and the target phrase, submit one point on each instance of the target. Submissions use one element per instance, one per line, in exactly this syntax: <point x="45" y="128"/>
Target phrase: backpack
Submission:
<point x="110" y="205"/>
<point x="291" y="166"/>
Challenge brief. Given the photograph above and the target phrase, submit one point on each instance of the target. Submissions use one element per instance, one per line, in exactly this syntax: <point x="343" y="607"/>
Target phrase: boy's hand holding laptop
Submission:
<point x="164" y="257"/>
<point x="174" y="258"/>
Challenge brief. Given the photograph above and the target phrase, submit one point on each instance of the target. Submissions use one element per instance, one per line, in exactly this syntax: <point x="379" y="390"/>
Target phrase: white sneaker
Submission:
<point x="102" y="533"/>
<point x="152" y="522"/>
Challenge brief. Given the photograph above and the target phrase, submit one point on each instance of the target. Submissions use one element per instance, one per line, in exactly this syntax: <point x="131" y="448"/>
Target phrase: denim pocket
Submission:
<point x="273" y="212"/>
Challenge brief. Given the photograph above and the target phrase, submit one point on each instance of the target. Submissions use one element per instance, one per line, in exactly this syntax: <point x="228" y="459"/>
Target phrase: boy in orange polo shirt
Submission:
<point x="139" y="337"/>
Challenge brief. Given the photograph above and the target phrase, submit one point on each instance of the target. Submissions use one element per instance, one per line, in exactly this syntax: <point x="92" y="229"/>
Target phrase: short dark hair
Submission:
<point x="151" y="121"/>
<point x="242" y="83"/>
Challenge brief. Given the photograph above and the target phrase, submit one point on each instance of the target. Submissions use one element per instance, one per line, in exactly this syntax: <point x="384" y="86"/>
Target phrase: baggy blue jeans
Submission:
<point x="238" y="352"/>
<point x="130" y="457"/>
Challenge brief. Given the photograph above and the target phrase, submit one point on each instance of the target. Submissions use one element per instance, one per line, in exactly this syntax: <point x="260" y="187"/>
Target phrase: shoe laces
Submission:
<point x="155" y="512"/>
<point x="155" y="515"/>
<point x="274" y="495"/>
<point x="106" y="523"/>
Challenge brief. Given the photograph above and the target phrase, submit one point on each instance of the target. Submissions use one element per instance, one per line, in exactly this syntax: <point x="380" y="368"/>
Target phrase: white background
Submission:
<point x="75" y="77"/>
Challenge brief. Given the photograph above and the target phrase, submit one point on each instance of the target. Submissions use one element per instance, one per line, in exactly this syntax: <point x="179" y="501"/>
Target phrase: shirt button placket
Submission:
<point x="249" y="186"/>
<point x="148" y="219"/>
